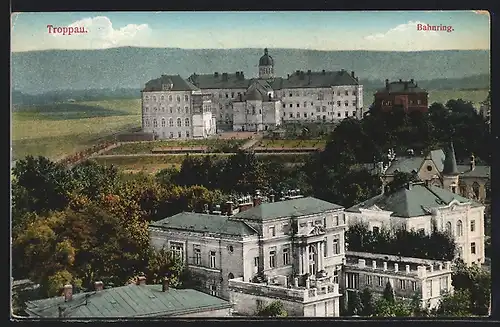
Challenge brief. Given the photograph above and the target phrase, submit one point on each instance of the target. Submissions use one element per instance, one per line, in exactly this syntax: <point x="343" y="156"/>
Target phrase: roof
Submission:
<point x="177" y="84"/>
<point x="287" y="208"/>
<point x="205" y="223"/>
<point x="450" y="162"/>
<point x="412" y="202"/>
<point x="266" y="59"/>
<point x="309" y="79"/>
<point x="220" y="81"/>
<point x="128" y="301"/>
<point x="479" y="171"/>
<point x="399" y="87"/>
<point x="413" y="163"/>
<point x="258" y="90"/>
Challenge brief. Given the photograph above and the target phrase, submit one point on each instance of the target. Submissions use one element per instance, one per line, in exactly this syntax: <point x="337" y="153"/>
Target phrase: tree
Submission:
<point x="93" y="179"/>
<point x="400" y="180"/>
<point x="455" y="305"/>
<point x="163" y="263"/>
<point x="384" y="308"/>
<point x="476" y="280"/>
<point x="388" y="294"/>
<point x="367" y="302"/>
<point x="354" y="305"/>
<point x="274" y="309"/>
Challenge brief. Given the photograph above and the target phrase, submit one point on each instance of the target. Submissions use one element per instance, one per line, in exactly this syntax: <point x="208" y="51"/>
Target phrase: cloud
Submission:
<point x="404" y="37"/>
<point x="101" y="34"/>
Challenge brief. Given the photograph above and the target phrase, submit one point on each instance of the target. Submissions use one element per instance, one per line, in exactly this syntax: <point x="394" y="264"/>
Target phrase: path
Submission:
<point x="185" y="153"/>
<point x="250" y="143"/>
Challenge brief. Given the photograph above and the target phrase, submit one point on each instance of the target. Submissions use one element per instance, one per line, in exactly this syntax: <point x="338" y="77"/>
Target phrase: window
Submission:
<point x="146" y="109"/>
<point x="227" y="95"/>
<point x="154" y="98"/>
<point x="186" y="98"/>
<point x="179" y="134"/>
<point x="338" y="114"/>
<point x="187" y="133"/>
<point x="186" y="109"/>
<point x="419" y="101"/>
<point x="155" y="123"/>
<point x="346" y="114"/>
<point x="147" y="97"/>
<point x="305" y="114"/>
<point x="272" y="259"/>
<point x="325" y="247"/>
<point x="286" y="256"/>
<point x="473" y="248"/>
<point x="284" y="105"/>
<point x="443" y="288"/>
<point x="155" y="109"/>
<point x="212" y="259"/>
<point x="291" y="105"/>
<point x="147" y="122"/>
<point x="290" y="94"/>
<point x="170" y="122"/>
<point x="336" y="220"/>
<point x="346" y="103"/>
<point x="186" y="122"/>
<point x="429" y="288"/>
<point x="338" y="103"/>
<point x="169" y="98"/>
<point x="179" y="122"/>
<point x="352" y="280"/>
<point x="305" y="104"/>
<point x="256" y="261"/>
<point x="402" y="284"/>
<point x="414" y="286"/>
<point x="162" y="98"/>
<point x="472" y="225"/>
<point x="213" y="290"/>
<point x="178" y="98"/>
<point x="232" y="94"/>
<point x="376" y="230"/>
<point x="178" y="109"/>
<point x="448" y="227"/>
<point x="353" y="92"/>
<point x="298" y="114"/>
<point x="163" y="122"/>
<point x="368" y="279"/>
<point x="171" y="135"/>
<point x="170" y="109"/>
<point x="272" y="231"/>
<point x="177" y="250"/>
<point x="336" y="245"/>
<point x="318" y="109"/>
<point x="460" y="230"/>
<point x="460" y="252"/>
<point x="336" y="276"/>
<point x="298" y="105"/>
<point x="380" y="281"/>
<point x="197" y="254"/>
<point x="346" y="92"/>
<point x="291" y="115"/>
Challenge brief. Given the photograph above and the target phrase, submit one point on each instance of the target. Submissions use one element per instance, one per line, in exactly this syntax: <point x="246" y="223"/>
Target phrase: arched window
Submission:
<point x="179" y="122"/>
<point x="162" y="98"/>
<point x="154" y="98"/>
<point x="171" y="122"/>
<point x="230" y="276"/>
<point x="186" y="122"/>
<point x="186" y="98"/>
<point x="313" y="254"/>
<point x="155" y="123"/>
<point x="460" y="229"/>
<point x="146" y="122"/>
<point x="186" y="109"/>
<point x="169" y="98"/>
<point x="179" y="110"/>
<point x="475" y="189"/>
<point x="170" y="110"/>
<point x="178" y="98"/>
<point x="463" y="188"/>
<point x="448" y="228"/>
<point x="163" y="122"/>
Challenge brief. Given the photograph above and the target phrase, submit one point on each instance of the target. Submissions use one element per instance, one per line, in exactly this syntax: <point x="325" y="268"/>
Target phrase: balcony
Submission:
<point x="317" y="291"/>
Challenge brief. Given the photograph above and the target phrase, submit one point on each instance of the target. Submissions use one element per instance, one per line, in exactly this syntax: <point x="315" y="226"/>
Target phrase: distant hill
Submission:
<point x="130" y="68"/>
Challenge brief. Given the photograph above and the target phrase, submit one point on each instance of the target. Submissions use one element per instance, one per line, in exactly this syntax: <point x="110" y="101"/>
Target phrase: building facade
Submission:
<point x="173" y="108"/>
<point x="427" y="279"/>
<point x="423" y="208"/>
<point x="401" y="94"/>
<point x="324" y="96"/>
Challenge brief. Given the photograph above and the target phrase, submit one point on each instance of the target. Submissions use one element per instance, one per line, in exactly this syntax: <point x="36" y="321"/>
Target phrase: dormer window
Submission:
<point x="167" y="86"/>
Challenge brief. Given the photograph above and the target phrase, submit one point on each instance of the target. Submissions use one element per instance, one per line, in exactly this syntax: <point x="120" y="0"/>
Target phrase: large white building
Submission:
<point x="323" y="96"/>
<point x="172" y="107"/>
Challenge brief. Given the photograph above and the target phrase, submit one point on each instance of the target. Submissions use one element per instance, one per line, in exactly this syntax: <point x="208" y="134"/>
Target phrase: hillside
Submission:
<point x="128" y="67"/>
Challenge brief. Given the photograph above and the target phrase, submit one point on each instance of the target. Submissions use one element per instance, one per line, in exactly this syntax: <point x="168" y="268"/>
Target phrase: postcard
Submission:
<point x="250" y="164"/>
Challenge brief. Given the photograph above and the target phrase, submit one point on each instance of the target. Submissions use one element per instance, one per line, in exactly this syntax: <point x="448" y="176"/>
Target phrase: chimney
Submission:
<point x="385" y="265"/>
<point x="406" y="85"/>
<point x="396" y="267"/>
<point x="361" y="263"/>
<point x="288" y="76"/>
<point x="352" y="74"/>
<point x="98" y="286"/>
<point x="387" y="84"/>
<point x="421" y="271"/>
<point x="141" y="280"/>
<point x="407" y="268"/>
<point x="297" y="72"/>
<point x="271" y="197"/>
<point x="68" y="292"/>
<point x="308" y="72"/>
<point x="237" y="74"/>
<point x="323" y="72"/>
<point x="431" y="266"/>
<point x="472" y="162"/>
<point x="440" y="265"/>
<point x="412" y="81"/>
<point x="242" y="75"/>
<point x="165" y="284"/>
<point x="400" y="80"/>
<point x="229" y="207"/>
<point x="216" y="74"/>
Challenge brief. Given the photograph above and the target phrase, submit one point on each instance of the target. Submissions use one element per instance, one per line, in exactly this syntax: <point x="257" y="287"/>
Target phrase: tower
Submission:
<point x="266" y="66"/>
<point x="450" y="172"/>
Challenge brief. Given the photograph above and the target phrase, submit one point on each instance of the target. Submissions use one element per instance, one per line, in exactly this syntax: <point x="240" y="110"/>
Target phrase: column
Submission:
<point x="321" y="248"/>
<point x="306" y="268"/>
<point x="301" y="263"/>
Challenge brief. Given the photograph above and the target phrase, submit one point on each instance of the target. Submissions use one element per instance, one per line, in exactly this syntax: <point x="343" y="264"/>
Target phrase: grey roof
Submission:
<point x="254" y="94"/>
<point x="258" y="90"/>
<point x="128" y="301"/>
<point x="205" y="223"/>
<point x="178" y="84"/>
<point x="438" y="157"/>
<point x="308" y="79"/>
<point x="479" y="171"/>
<point x="410" y="164"/>
<point x="399" y="87"/>
<point x="287" y="208"/>
<point x="220" y="81"/>
<point x="412" y="202"/>
<point x="450" y="162"/>
<point x="266" y="59"/>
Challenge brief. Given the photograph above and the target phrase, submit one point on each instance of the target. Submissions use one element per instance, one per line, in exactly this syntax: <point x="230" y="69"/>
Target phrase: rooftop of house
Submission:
<point x="172" y="82"/>
<point x="287" y="208"/>
<point x="205" y="223"/>
<point x="127" y="301"/>
<point x="413" y="200"/>
<point x="401" y="87"/>
<point x="220" y="81"/>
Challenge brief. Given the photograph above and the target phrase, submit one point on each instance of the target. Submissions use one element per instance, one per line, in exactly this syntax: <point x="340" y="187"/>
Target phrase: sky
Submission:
<point x="316" y="30"/>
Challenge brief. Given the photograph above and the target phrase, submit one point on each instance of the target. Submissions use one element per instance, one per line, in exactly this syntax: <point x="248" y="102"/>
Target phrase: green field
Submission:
<point x="268" y="143"/>
<point x="441" y="96"/>
<point x="60" y="129"/>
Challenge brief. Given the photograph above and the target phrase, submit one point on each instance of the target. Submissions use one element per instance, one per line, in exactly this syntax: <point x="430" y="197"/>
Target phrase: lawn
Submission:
<point x="57" y="130"/>
<point x="269" y="143"/>
<point x="214" y="145"/>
